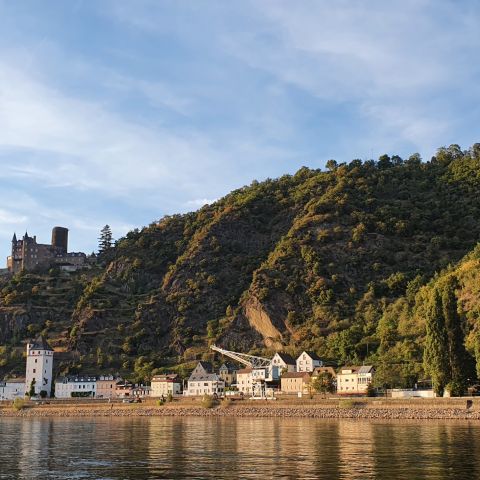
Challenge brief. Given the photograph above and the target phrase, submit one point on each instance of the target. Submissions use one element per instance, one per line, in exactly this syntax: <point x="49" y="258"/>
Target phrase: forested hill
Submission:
<point x="332" y="261"/>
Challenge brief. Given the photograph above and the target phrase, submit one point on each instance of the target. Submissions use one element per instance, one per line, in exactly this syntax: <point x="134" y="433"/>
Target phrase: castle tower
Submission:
<point x="39" y="366"/>
<point x="60" y="238"/>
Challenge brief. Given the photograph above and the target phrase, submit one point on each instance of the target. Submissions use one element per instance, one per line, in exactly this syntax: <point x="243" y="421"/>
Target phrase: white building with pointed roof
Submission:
<point x="39" y="367"/>
<point x="308" y="361"/>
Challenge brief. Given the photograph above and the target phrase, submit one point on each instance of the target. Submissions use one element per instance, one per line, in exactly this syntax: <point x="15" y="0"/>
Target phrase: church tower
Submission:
<point x="39" y="366"/>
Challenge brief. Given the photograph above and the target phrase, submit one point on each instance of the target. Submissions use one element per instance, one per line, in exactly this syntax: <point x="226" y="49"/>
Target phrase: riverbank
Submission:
<point x="454" y="409"/>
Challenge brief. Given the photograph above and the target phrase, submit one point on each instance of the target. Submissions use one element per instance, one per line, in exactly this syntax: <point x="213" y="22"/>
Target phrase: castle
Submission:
<point x="27" y="254"/>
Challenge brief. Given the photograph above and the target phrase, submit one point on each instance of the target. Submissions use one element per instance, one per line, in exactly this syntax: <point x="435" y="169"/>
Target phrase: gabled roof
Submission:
<point x="207" y="366"/>
<point x="229" y="367"/>
<point x="286" y="358"/>
<point x="40" y="343"/>
<point x="204" y="377"/>
<point x="311" y="354"/>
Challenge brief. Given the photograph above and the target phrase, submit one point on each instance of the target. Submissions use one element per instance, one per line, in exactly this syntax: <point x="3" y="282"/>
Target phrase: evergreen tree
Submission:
<point x="457" y="354"/>
<point x="105" y="240"/>
<point x="435" y="356"/>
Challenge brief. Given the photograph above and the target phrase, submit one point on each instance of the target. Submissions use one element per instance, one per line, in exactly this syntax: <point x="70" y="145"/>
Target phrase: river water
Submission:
<point x="193" y="447"/>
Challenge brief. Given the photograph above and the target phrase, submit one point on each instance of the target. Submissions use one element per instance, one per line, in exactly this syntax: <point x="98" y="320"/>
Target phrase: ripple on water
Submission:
<point x="247" y="448"/>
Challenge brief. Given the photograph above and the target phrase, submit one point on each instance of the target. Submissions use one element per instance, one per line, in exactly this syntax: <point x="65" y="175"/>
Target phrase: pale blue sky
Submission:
<point x="121" y="112"/>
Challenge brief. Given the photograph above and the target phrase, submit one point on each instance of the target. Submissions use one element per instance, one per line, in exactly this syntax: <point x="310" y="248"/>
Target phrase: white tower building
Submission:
<point x="39" y="366"/>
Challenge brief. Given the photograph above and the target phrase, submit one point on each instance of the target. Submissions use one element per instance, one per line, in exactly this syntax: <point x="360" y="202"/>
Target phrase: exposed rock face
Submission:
<point x="12" y="320"/>
<point x="261" y="321"/>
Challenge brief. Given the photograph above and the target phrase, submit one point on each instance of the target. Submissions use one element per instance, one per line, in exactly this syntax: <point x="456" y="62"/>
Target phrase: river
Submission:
<point x="191" y="447"/>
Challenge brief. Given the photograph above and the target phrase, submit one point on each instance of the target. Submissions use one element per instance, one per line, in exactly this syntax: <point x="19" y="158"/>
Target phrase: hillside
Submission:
<point x="334" y="261"/>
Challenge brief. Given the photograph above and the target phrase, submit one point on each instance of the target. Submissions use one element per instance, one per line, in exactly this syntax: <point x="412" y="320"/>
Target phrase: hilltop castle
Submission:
<point x="27" y="254"/>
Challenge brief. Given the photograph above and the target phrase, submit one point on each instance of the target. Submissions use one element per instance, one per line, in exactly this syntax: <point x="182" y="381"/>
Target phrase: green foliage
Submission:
<point x="31" y="390"/>
<point x="105" y="240"/>
<point x="341" y="261"/>
<point x="18" y="403"/>
<point x="323" y="383"/>
<point x="436" y="361"/>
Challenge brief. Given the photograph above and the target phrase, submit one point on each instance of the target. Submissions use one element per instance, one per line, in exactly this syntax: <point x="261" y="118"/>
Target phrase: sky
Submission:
<point x="120" y="112"/>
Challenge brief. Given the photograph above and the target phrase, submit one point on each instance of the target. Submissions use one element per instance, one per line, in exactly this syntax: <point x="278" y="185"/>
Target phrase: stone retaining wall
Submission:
<point x="249" y="411"/>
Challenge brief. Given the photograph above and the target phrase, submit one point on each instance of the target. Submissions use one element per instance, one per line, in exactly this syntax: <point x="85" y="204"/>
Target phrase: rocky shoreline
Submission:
<point x="390" y="413"/>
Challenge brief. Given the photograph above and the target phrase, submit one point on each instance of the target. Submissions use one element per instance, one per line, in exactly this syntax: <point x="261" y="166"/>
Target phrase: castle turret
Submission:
<point x="14" y="239"/>
<point x="60" y="238"/>
<point x="39" y="367"/>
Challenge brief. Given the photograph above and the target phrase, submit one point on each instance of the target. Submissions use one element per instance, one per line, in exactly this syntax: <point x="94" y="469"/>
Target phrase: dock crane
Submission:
<point x="261" y="369"/>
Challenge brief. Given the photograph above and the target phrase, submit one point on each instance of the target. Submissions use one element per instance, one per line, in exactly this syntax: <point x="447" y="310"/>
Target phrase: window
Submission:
<point x="35" y="360"/>
<point x="34" y="371"/>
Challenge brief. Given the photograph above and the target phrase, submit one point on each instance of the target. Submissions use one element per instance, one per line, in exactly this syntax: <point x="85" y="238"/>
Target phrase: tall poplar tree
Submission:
<point x="457" y="354"/>
<point x="435" y="356"/>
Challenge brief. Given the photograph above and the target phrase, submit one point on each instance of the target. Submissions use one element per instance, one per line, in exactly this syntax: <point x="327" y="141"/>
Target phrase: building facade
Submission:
<point x="284" y="362"/>
<point x="163" y="385"/>
<point x="203" y="381"/>
<point x="354" y="380"/>
<point x="105" y="386"/>
<point x="12" y="389"/>
<point x="245" y="381"/>
<point x="76" y="386"/>
<point x="308" y="361"/>
<point x="228" y="373"/>
<point x="295" y="382"/>
<point x="124" y="389"/>
<point x="38" y="375"/>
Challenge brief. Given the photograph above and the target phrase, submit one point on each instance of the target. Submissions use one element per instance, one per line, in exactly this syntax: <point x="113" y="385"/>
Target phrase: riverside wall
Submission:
<point x="418" y="409"/>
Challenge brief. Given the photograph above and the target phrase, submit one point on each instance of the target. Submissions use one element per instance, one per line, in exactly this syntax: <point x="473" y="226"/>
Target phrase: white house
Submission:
<point x="203" y="381"/>
<point x="163" y="385"/>
<point x="244" y="380"/>
<point x="354" y="380"/>
<point x="39" y="367"/>
<point x="11" y="389"/>
<point x="308" y="361"/>
<point x="284" y="362"/>
<point x="75" y="386"/>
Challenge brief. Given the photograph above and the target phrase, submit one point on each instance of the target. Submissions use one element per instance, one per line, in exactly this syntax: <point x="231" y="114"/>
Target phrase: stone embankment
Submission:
<point x="326" y="412"/>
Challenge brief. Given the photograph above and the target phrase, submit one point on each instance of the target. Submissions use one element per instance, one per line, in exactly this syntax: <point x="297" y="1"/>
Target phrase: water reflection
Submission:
<point x="131" y="448"/>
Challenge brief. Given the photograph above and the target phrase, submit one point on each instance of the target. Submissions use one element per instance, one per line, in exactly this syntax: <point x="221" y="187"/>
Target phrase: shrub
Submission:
<point x="161" y="402"/>
<point x="349" y="403"/>
<point x="170" y="397"/>
<point x="19" y="404"/>
<point x="225" y="403"/>
<point x="208" y="401"/>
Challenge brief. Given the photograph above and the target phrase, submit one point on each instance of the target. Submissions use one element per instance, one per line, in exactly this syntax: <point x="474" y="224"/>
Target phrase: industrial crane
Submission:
<point x="250" y="361"/>
<point x="261" y="369"/>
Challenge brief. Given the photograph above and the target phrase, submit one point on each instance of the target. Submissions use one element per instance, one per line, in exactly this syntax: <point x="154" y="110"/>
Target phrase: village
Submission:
<point x="257" y="378"/>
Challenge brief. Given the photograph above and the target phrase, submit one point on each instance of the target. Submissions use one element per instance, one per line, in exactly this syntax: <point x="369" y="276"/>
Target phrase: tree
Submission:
<point x="457" y="354"/>
<point x="31" y="391"/>
<point x="435" y="356"/>
<point x="43" y="394"/>
<point x="105" y="240"/>
<point x="323" y="383"/>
